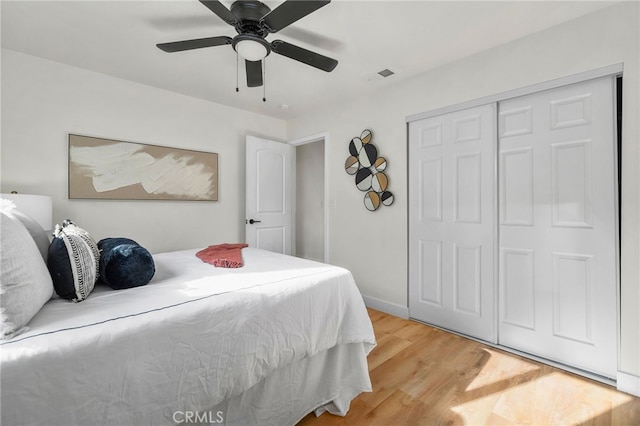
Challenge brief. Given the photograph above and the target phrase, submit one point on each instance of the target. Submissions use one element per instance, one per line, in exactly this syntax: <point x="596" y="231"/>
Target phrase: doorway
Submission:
<point x="309" y="205"/>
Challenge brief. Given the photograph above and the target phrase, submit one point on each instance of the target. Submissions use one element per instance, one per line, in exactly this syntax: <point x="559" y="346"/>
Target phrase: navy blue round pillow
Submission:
<point x="124" y="263"/>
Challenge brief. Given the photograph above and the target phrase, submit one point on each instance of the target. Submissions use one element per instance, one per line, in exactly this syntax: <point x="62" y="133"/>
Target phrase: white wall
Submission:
<point x="44" y="101"/>
<point x="374" y="245"/>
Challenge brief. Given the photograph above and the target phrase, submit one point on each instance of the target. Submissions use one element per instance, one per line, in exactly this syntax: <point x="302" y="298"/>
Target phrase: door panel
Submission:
<point x="557" y="225"/>
<point x="516" y="186"/>
<point x="268" y="194"/>
<point x="429" y="273"/>
<point x="467" y="203"/>
<point x="430" y="195"/>
<point x="467" y="279"/>
<point x="451" y="221"/>
<point x="270" y="180"/>
<point x="271" y="238"/>
<point x="517" y="276"/>
<point x="571" y="173"/>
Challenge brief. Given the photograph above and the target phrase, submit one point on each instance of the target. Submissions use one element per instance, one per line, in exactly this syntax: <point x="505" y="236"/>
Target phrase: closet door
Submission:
<point x="557" y="225"/>
<point x="452" y="221"/>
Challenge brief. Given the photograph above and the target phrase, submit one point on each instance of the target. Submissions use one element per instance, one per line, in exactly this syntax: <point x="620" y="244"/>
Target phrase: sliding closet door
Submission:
<point x="557" y="216"/>
<point x="451" y="221"/>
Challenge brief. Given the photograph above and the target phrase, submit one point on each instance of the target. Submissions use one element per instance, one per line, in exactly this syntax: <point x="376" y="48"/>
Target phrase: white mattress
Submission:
<point x="192" y="338"/>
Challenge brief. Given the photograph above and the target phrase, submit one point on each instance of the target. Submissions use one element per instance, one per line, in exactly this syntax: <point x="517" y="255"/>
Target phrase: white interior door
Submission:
<point x="557" y="229"/>
<point x="452" y="221"/>
<point x="269" y="166"/>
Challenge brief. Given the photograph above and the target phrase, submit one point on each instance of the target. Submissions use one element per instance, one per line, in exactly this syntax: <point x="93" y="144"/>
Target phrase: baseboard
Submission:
<point x="628" y="383"/>
<point x="386" y="307"/>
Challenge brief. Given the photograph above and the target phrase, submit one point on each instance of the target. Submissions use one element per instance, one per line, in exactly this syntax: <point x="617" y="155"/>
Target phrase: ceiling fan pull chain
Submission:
<point x="237" y="71"/>
<point x="264" y="80"/>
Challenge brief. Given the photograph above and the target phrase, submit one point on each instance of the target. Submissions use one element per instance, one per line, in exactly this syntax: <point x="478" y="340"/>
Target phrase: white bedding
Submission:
<point x="194" y="337"/>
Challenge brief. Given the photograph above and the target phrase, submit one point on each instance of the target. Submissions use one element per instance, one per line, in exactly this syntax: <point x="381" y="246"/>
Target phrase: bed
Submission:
<point x="264" y="344"/>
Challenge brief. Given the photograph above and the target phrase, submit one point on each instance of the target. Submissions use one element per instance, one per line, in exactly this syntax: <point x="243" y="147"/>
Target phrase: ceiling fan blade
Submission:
<point x="254" y="73"/>
<point x="314" y="39"/>
<point x="219" y="9"/>
<point x="305" y="56"/>
<point x="198" y="43"/>
<point x="289" y="12"/>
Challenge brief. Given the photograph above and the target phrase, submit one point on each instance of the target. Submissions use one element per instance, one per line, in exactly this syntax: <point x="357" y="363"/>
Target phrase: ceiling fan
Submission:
<point x="253" y="21"/>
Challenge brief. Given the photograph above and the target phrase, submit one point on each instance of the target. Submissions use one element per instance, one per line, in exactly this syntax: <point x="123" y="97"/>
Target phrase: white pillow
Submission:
<point x="25" y="283"/>
<point x="38" y="234"/>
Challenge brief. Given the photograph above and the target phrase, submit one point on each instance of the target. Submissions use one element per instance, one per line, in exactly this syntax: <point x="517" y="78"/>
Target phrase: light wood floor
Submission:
<point x="425" y="376"/>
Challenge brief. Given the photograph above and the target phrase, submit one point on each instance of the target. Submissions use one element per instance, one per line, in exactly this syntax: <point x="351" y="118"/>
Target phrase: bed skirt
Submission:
<point x="327" y="381"/>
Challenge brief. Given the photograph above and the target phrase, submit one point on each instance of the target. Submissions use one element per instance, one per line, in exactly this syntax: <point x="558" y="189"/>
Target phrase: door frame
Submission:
<point x="324" y="136"/>
<point x="608" y="71"/>
<point x="614" y="70"/>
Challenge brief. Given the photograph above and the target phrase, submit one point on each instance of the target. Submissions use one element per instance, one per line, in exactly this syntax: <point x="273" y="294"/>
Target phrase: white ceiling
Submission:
<point x="118" y="38"/>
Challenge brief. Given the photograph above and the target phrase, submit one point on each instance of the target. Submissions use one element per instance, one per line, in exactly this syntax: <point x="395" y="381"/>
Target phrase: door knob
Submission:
<point x="251" y="221"/>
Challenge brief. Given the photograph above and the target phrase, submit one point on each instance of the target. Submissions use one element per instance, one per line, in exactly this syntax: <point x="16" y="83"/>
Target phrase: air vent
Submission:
<point x="386" y="72"/>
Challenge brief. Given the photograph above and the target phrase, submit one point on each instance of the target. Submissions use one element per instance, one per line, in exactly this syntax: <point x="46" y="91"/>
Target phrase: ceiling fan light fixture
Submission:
<point x="251" y="48"/>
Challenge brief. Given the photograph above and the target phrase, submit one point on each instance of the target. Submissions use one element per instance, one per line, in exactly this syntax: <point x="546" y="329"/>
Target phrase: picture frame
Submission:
<point x="118" y="170"/>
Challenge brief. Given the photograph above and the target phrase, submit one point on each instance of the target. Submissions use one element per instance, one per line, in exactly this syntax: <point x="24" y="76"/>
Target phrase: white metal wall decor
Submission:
<point x="368" y="168"/>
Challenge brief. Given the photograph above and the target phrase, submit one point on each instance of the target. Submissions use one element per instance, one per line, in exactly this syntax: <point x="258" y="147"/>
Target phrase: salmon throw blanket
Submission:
<point x="223" y="255"/>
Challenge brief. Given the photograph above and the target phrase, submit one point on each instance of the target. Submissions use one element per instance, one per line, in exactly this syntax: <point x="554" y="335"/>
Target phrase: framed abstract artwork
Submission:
<point x="117" y="170"/>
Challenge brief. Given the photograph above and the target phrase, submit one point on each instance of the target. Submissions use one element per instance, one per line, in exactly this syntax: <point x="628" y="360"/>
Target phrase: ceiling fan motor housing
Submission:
<point x="249" y="14"/>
